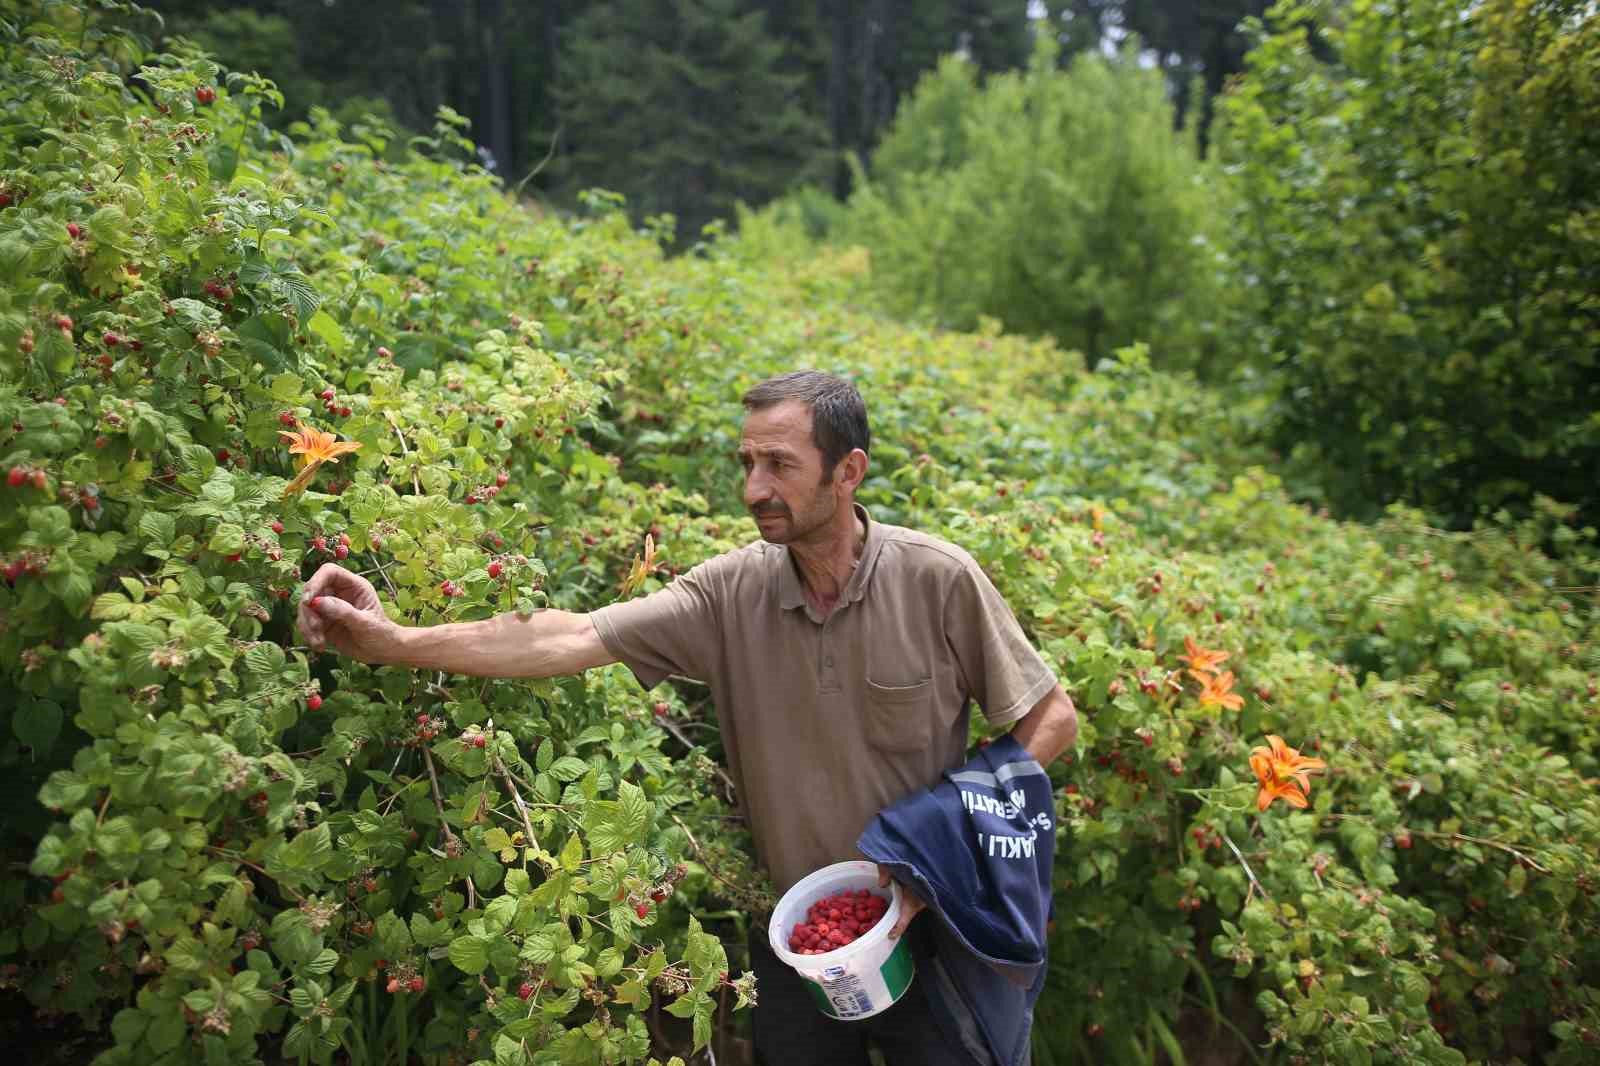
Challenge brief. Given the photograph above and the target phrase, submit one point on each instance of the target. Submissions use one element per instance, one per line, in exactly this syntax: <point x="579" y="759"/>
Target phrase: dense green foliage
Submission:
<point x="219" y="861"/>
<point x="1059" y="202"/>
<point x="1417" y="228"/>
<point x="520" y="71"/>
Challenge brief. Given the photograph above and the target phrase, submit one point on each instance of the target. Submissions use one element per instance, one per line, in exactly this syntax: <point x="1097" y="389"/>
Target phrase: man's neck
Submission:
<point x="826" y="565"/>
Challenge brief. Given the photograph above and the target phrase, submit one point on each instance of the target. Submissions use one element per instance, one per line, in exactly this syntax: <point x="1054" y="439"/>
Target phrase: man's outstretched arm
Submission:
<point x="342" y="609"/>
<point x="1050" y="728"/>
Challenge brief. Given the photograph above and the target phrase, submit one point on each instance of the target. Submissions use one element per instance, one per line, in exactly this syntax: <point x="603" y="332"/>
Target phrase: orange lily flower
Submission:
<point x="1283" y="773"/>
<point x="1200" y="660"/>
<point x="314" y="448"/>
<point x="1217" y="690"/>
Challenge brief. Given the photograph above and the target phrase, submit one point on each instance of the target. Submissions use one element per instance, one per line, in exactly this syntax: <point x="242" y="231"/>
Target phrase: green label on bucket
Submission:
<point x="849" y="996"/>
<point x="897" y="970"/>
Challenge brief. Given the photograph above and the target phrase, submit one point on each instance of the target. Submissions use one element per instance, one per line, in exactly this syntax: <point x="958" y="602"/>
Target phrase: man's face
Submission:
<point x="783" y="475"/>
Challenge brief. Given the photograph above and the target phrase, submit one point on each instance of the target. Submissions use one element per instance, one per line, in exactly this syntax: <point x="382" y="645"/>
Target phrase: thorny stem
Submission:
<point x="683" y="738"/>
<point x="231" y="857"/>
<point x="701" y="855"/>
<point x="416" y="485"/>
<point x="1251" y="874"/>
<point x="444" y="826"/>
<point x="516" y="798"/>
<point x="1457" y="838"/>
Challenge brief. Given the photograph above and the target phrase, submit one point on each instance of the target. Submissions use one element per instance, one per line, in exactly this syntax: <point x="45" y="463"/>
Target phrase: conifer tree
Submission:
<point x="684" y="106"/>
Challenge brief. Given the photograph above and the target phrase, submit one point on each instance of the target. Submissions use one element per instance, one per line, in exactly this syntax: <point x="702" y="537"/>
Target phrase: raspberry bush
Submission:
<point x="240" y="852"/>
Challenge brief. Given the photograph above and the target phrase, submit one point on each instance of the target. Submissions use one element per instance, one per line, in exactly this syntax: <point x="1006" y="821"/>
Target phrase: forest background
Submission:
<point x="1255" y="361"/>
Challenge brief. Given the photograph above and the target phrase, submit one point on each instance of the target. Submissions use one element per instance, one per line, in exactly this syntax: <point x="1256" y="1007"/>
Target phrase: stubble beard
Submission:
<point x="817" y="514"/>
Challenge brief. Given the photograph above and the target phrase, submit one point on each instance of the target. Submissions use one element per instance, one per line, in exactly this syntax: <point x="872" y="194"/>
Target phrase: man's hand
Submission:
<point x="342" y="609"/>
<point x="910" y="903"/>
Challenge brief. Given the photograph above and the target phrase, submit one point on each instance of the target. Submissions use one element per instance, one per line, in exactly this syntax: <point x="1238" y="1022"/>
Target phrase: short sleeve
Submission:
<point x="674" y="630"/>
<point x="999" y="668"/>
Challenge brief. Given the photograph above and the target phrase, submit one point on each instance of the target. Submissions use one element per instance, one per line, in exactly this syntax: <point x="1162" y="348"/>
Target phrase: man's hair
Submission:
<point x="838" y="413"/>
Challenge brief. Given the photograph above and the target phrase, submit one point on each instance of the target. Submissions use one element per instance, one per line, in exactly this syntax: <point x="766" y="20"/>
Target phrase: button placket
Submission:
<point x="827" y="674"/>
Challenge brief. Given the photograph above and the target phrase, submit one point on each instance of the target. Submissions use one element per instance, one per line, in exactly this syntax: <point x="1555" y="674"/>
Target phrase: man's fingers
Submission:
<point x="310" y="624"/>
<point x="910" y="905"/>
<point x="333" y="611"/>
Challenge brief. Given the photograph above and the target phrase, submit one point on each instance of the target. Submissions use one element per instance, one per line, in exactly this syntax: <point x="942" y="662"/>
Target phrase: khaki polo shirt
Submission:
<point x="828" y="720"/>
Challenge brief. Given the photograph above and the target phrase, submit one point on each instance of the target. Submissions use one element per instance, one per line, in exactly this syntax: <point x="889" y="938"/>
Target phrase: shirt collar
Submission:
<point x="792" y="594"/>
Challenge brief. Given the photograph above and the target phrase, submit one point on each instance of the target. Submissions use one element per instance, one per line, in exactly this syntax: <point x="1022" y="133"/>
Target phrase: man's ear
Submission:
<point x="853" y="469"/>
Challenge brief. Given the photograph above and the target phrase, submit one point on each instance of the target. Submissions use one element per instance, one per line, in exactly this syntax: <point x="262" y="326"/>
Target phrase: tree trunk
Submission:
<point x="836" y="13"/>
<point x="495" y="94"/>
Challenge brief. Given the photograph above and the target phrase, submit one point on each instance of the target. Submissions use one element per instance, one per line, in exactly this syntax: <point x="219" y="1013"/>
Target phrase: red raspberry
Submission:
<point x="320" y="543"/>
<point x="314" y="701"/>
<point x="74" y="230"/>
<point x="16" y="477"/>
<point x="393" y="986"/>
<point x="341" y="552"/>
<point x="277" y="526"/>
<point x="384" y="353"/>
<point x="525" y="991"/>
<point x="344" y="412"/>
<point x="328" y="394"/>
<point x="417" y="984"/>
<point x="642" y="910"/>
<point x="494" y="570"/>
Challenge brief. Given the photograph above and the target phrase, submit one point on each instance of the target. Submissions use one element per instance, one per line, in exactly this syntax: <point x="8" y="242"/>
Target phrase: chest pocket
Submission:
<point x="901" y="717"/>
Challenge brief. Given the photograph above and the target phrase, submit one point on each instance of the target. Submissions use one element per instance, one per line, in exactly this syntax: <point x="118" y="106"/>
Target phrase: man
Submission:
<point x="840" y="653"/>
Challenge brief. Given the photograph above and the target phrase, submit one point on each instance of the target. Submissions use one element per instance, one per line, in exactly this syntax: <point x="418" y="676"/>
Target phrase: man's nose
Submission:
<point x="757" y="487"/>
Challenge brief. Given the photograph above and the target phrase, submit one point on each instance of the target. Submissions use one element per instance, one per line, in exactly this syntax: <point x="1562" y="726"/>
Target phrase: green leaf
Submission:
<point x="128" y="1026"/>
<point x="568" y="768"/>
<point x="469" y="954"/>
<point x="324" y="326"/>
<point x="286" y="388"/>
<point x="634" y="812"/>
<point x="228" y="539"/>
<point x="37" y="724"/>
<point x="325" y="961"/>
<point x="497" y="916"/>
<point x="166" y="1029"/>
<point x="572" y="854"/>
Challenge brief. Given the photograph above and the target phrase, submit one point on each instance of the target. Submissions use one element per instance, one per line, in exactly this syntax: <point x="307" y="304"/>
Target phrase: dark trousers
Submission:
<point x="790" y="1030"/>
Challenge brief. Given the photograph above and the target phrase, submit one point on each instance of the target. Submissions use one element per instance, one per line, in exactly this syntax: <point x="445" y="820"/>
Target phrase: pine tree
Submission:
<point x="685" y="107"/>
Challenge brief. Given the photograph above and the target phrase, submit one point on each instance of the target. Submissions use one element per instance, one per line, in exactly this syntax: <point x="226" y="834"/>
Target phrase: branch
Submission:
<point x="394" y="423"/>
<point x="223" y="853"/>
<point x="516" y="798"/>
<point x="700" y="854"/>
<point x="676" y="730"/>
<point x="1251" y="874"/>
<point x="449" y="836"/>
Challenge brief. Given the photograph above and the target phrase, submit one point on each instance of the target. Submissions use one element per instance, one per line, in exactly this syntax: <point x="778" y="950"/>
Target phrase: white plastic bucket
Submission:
<point x="866" y="976"/>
